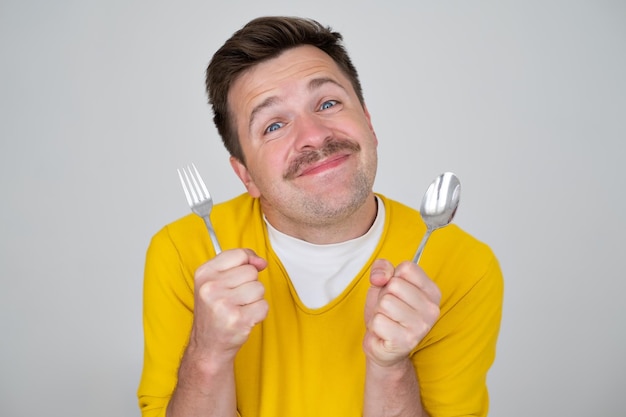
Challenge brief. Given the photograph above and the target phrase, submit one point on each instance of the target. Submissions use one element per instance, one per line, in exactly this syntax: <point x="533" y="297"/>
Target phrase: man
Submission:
<point x="312" y="309"/>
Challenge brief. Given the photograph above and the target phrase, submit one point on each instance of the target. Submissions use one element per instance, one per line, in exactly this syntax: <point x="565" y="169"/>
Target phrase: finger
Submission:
<point x="255" y="260"/>
<point x="414" y="274"/>
<point x="238" y="286"/>
<point x="399" y="290"/>
<point x="242" y="318"/>
<point x="247" y="293"/>
<point x="391" y="336"/>
<point x="416" y="316"/>
<point x="226" y="262"/>
<point x="255" y="312"/>
<point x="237" y="276"/>
<point x="381" y="272"/>
<point x="235" y="326"/>
<point x="231" y="258"/>
<point x="229" y="309"/>
<point x="395" y="308"/>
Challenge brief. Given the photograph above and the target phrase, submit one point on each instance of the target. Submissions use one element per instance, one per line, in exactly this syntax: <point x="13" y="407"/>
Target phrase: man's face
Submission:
<point x="309" y="144"/>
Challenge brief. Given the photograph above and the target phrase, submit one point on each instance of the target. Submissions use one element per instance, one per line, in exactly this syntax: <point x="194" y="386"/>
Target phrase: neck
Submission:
<point x="326" y="230"/>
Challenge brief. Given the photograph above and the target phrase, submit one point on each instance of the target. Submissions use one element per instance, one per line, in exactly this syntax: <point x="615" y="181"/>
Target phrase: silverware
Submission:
<point x="199" y="199"/>
<point x="439" y="206"/>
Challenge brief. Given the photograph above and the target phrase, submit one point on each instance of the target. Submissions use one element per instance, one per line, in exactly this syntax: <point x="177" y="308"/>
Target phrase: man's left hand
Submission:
<point x="401" y="307"/>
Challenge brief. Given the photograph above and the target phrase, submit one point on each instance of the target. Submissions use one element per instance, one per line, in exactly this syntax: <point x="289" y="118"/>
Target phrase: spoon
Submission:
<point x="439" y="206"/>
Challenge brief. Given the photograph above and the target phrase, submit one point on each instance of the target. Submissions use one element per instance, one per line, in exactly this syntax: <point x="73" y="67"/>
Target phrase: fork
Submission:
<point x="198" y="198"/>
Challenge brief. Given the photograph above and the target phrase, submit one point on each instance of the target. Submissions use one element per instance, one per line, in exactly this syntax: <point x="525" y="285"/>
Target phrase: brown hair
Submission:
<point x="262" y="39"/>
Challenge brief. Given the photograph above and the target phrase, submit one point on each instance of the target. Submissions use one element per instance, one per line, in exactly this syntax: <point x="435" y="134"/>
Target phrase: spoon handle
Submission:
<point x="420" y="249"/>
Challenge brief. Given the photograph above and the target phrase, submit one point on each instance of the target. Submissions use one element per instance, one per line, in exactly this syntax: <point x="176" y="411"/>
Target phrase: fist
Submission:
<point x="402" y="306"/>
<point x="228" y="301"/>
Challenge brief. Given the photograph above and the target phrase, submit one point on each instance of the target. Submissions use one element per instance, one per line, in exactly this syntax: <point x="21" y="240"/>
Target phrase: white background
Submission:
<point x="101" y="101"/>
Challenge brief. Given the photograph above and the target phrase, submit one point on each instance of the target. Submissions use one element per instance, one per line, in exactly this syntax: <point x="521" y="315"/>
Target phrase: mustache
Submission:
<point x="311" y="156"/>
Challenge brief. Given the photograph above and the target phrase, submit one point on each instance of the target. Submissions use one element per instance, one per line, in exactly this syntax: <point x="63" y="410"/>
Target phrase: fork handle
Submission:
<point x="212" y="235"/>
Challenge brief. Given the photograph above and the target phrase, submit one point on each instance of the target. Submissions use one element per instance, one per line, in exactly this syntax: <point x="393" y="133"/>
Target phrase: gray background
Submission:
<point x="101" y="101"/>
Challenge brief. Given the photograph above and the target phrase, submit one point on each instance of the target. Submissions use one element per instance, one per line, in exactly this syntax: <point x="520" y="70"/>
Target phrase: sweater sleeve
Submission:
<point x="452" y="365"/>
<point x="167" y="320"/>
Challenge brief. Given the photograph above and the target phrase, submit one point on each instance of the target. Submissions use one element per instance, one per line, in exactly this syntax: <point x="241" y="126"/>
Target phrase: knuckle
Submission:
<point x="433" y="312"/>
<point x="437" y="294"/>
<point x="263" y="309"/>
<point x="225" y="310"/>
<point x="375" y="321"/>
<point x="394" y="285"/>
<point x="386" y="303"/>
<point x="205" y="291"/>
<point x="247" y="269"/>
<point x="260" y="289"/>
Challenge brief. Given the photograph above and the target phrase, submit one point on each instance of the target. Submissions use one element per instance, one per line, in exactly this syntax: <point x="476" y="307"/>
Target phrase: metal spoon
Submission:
<point x="439" y="206"/>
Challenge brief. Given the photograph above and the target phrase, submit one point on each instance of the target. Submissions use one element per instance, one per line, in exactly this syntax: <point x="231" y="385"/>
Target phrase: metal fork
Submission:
<point x="198" y="198"/>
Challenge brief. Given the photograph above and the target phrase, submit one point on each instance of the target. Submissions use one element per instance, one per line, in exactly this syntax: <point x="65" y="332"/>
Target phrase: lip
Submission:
<point x="325" y="165"/>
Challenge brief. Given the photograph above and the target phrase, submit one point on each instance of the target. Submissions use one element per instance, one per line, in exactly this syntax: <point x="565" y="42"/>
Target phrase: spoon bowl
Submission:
<point x="439" y="206"/>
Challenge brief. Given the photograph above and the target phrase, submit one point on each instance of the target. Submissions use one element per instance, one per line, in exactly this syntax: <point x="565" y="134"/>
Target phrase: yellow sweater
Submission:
<point x="309" y="362"/>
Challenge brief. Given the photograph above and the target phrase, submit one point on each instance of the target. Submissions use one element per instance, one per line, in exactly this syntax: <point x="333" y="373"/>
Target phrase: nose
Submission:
<point x="312" y="131"/>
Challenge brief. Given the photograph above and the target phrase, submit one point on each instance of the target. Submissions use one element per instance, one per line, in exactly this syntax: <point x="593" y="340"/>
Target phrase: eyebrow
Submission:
<point x="268" y="102"/>
<point x="314" y="84"/>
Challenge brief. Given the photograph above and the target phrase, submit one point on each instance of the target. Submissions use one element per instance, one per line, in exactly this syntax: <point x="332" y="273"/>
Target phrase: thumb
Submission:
<point x="255" y="260"/>
<point x="381" y="272"/>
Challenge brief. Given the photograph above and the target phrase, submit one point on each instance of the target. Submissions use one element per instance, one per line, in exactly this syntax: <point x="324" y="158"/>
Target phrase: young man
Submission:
<point x="313" y="308"/>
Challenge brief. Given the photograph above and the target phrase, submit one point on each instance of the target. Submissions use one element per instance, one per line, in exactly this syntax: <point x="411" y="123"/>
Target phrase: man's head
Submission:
<point x="260" y="40"/>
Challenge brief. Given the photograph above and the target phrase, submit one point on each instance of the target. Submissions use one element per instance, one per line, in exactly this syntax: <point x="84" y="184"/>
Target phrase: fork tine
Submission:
<point x="198" y="198"/>
<point x="184" y="184"/>
<point x="199" y="177"/>
<point x="191" y="184"/>
<point x="196" y="185"/>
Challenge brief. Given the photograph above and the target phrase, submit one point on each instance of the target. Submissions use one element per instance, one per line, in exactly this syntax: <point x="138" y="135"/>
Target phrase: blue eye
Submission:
<point x="273" y="127"/>
<point x="328" y="104"/>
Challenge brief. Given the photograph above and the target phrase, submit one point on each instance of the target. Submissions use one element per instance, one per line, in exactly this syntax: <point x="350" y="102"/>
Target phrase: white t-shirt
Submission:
<point x="320" y="273"/>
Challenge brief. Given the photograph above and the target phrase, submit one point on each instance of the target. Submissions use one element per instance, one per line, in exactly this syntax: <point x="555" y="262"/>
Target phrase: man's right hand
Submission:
<point x="228" y="304"/>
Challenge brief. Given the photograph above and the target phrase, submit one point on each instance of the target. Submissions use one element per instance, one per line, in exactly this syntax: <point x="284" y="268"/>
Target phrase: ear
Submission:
<point x="369" y="122"/>
<point x="244" y="175"/>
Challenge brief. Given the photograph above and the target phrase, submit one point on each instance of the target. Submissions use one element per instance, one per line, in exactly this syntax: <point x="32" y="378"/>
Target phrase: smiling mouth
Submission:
<point x="324" y="164"/>
<point x="332" y="153"/>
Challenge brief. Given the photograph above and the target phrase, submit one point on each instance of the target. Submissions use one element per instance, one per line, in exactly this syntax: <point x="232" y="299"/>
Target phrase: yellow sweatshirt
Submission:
<point x="309" y="362"/>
